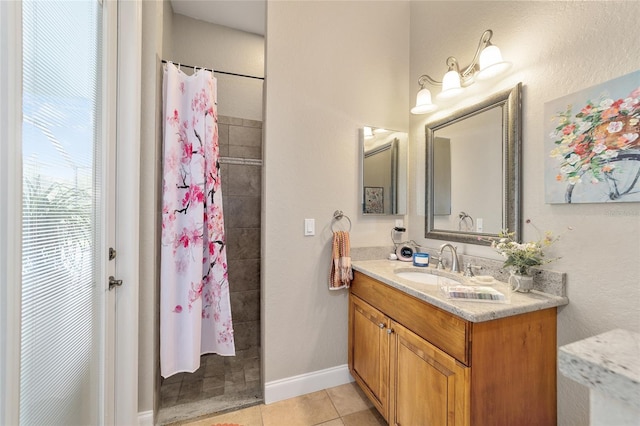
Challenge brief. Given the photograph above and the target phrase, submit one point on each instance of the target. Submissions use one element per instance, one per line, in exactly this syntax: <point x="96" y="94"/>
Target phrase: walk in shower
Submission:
<point x="226" y="383"/>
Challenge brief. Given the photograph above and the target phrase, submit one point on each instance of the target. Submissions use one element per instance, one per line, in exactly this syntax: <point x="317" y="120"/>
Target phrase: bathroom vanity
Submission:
<point x="423" y="359"/>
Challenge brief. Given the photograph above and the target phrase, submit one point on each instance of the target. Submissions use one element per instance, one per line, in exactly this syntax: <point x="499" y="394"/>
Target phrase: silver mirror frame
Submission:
<point x="511" y="101"/>
<point x="397" y="148"/>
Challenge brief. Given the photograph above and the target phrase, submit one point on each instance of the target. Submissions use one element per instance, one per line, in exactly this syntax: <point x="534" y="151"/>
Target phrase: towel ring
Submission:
<point x="464" y="220"/>
<point x="337" y="216"/>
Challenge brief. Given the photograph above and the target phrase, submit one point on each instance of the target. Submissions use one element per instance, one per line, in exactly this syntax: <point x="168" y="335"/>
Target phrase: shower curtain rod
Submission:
<point x="164" y="61"/>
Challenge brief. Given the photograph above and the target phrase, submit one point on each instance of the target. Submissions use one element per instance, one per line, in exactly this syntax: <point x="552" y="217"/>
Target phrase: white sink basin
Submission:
<point x="425" y="278"/>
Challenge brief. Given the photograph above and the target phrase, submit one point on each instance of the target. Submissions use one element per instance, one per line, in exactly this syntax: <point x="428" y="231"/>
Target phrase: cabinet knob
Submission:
<point x="389" y="330"/>
<point x="381" y="325"/>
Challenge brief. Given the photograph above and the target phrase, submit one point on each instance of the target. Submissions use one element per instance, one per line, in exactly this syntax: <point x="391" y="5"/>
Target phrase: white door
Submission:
<point x="67" y="213"/>
<point x="59" y="177"/>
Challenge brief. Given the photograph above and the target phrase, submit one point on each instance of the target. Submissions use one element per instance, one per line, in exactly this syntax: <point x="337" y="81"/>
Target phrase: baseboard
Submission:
<point x="145" y="418"/>
<point x="302" y="384"/>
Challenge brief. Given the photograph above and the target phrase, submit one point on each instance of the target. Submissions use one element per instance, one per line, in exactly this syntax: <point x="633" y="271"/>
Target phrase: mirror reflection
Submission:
<point x="473" y="170"/>
<point x="468" y="190"/>
<point x="384" y="171"/>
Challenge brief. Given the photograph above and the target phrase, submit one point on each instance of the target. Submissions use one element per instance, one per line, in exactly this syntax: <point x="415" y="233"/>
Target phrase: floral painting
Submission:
<point x="373" y="200"/>
<point x="592" y="144"/>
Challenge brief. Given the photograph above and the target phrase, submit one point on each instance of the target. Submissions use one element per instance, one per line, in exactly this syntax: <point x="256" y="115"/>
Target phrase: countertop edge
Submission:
<point x="605" y="363"/>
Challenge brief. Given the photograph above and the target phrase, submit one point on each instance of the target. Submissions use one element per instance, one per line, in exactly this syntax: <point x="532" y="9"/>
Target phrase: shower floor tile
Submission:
<point x="221" y="383"/>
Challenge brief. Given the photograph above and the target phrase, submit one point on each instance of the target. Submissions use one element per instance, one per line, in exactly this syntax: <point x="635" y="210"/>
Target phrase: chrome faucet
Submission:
<point x="455" y="267"/>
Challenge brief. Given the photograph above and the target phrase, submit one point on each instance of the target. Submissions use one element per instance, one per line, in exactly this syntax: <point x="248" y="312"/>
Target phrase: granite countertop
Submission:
<point x="474" y="311"/>
<point x="607" y="363"/>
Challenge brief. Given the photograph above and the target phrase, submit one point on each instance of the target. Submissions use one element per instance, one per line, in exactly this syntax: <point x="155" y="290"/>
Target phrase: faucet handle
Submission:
<point x="468" y="269"/>
<point x="468" y="272"/>
<point x="440" y="264"/>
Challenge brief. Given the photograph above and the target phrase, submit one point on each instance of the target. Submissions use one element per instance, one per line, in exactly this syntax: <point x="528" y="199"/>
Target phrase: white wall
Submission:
<point x="332" y="67"/>
<point x="203" y="44"/>
<point x="557" y="48"/>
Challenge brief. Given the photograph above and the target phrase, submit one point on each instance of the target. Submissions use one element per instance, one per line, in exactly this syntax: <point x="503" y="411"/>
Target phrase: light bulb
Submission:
<point x="450" y="85"/>
<point x="491" y="63"/>
<point x="423" y="103"/>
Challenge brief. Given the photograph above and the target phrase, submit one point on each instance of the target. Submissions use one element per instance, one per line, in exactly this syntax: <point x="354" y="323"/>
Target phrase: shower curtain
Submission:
<point x="195" y="313"/>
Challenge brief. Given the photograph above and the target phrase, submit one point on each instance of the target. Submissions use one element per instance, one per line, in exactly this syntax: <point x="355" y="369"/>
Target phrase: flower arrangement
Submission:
<point x="522" y="256"/>
<point x="592" y="140"/>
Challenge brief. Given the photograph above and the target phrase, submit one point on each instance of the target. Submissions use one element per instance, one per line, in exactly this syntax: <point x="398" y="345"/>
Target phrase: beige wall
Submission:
<point x="332" y="67"/>
<point x="155" y="39"/>
<point x="557" y="48"/>
<point x="202" y="44"/>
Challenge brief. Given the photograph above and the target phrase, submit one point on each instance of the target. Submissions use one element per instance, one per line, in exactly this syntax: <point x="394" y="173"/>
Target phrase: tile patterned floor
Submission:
<point x="344" y="405"/>
<point x="221" y="383"/>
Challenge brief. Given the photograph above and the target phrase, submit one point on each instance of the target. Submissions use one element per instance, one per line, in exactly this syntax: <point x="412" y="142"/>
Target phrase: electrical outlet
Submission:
<point x="479" y="224"/>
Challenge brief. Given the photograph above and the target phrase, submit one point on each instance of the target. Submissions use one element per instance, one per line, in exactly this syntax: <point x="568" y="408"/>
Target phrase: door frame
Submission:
<point x="10" y="209"/>
<point x="123" y="386"/>
<point x="128" y="111"/>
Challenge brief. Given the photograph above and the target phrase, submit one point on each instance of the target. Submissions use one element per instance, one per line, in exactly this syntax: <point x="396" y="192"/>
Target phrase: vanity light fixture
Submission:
<point x="487" y="63"/>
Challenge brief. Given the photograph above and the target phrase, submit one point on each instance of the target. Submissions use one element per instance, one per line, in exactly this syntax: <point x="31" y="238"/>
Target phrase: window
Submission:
<point x="61" y="337"/>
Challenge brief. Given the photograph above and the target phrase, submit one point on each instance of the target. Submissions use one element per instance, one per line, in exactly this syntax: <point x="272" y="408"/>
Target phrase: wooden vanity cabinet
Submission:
<point x="427" y="386"/>
<point x="421" y="365"/>
<point x="369" y="351"/>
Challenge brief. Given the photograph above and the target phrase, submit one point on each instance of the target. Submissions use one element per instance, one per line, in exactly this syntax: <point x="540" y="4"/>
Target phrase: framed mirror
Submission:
<point x="473" y="171"/>
<point x="384" y="171"/>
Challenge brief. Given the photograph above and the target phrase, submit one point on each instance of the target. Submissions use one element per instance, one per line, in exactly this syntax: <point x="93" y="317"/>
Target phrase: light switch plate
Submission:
<point x="309" y="227"/>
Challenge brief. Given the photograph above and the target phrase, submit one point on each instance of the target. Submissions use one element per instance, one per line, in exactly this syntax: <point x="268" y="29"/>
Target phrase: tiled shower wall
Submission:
<point x="240" y="143"/>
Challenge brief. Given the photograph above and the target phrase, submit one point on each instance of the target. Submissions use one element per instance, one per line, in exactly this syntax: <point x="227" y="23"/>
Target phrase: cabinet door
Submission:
<point x="428" y="387"/>
<point x="369" y="351"/>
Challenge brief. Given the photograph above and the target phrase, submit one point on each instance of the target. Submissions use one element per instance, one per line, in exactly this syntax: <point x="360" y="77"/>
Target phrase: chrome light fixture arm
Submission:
<point x="468" y="73"/>
<point x="452" y="63"/>
<point x="487" y="63"/>
<point x="424" y="79"/>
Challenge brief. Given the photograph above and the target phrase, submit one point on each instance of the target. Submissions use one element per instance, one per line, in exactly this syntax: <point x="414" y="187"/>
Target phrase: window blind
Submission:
<point x="61" y="306"/>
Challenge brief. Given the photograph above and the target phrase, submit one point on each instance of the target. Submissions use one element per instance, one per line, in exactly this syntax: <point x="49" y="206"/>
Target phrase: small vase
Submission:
<point x="521" y="283"/>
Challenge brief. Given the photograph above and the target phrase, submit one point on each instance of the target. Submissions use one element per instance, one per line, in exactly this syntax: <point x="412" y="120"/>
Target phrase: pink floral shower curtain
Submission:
<point x="195" y="313"/>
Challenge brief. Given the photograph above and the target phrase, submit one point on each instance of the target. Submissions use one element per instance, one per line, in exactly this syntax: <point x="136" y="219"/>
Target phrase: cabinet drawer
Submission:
<point x="446" y="331"/>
